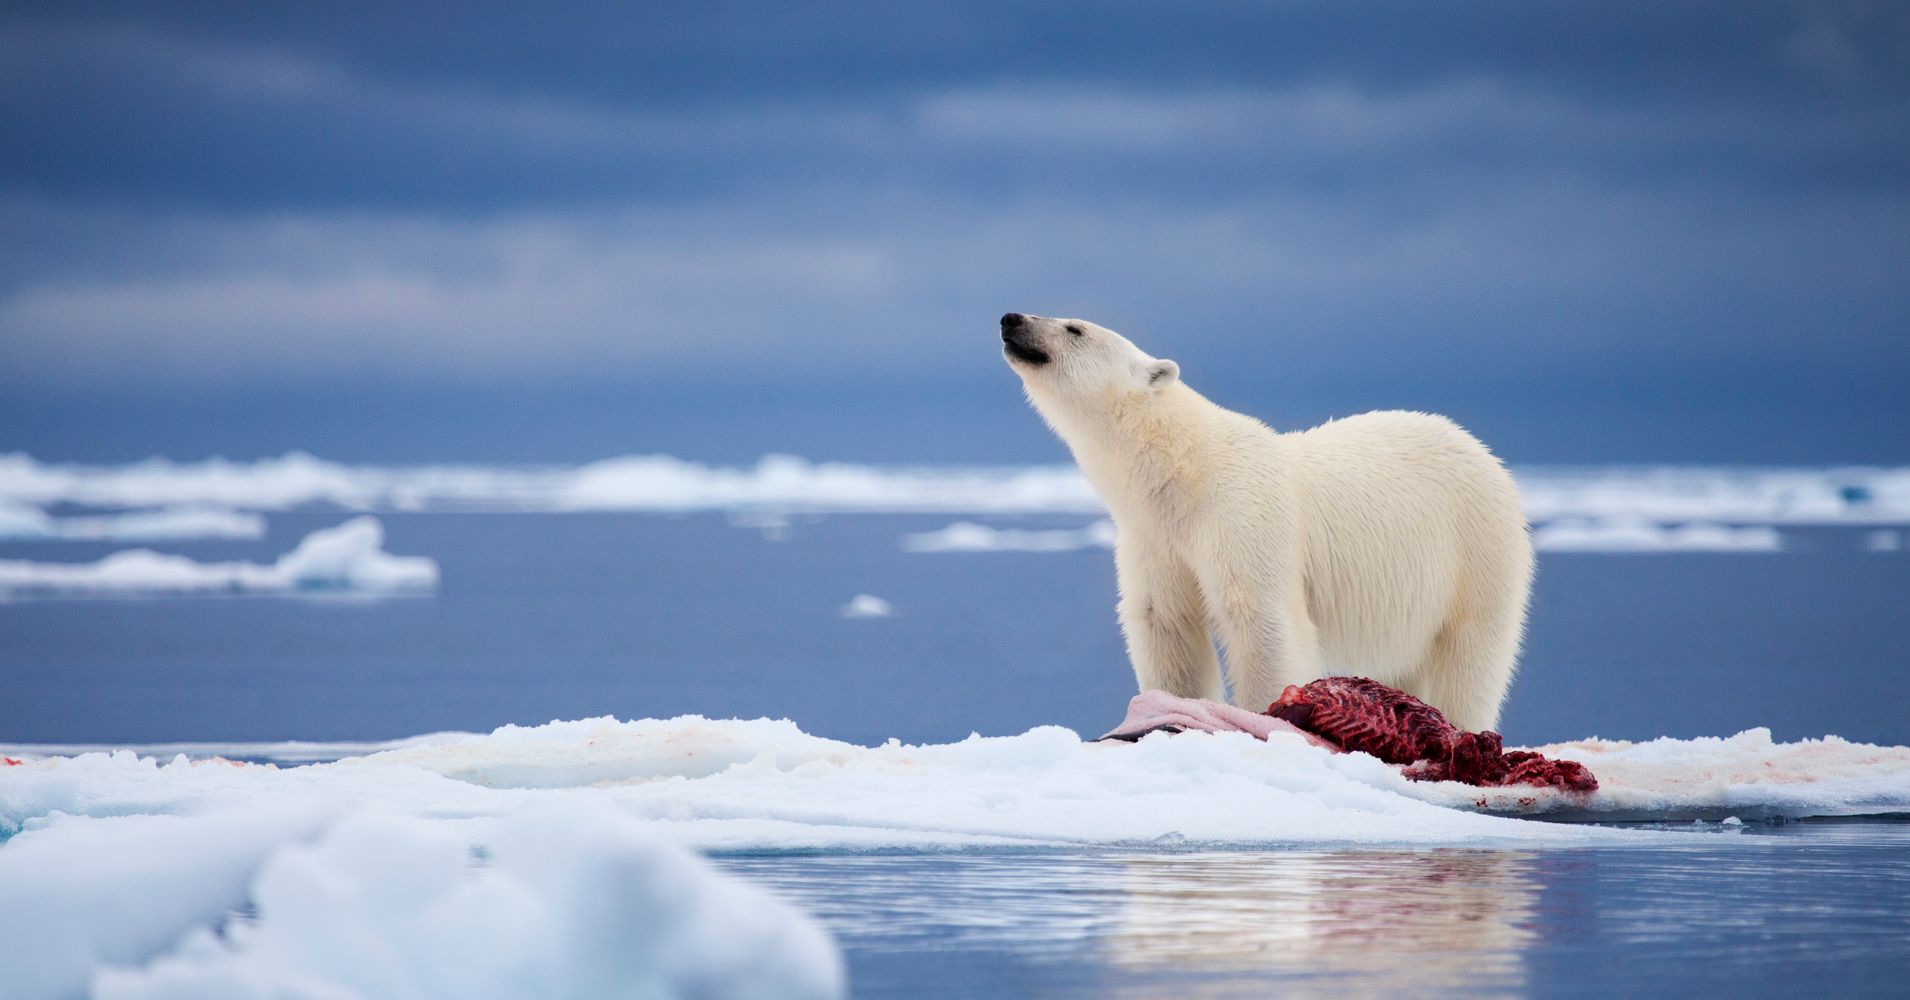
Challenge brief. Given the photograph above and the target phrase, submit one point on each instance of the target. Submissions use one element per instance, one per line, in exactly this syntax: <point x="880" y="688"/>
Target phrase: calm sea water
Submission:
<point x="1809" y="909"/>
<point x="543" y="617"/>
<point x="568" y="616"/>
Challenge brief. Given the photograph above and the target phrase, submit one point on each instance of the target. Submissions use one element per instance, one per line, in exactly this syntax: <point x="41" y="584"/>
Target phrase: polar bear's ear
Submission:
<point x="1158" y="375"/>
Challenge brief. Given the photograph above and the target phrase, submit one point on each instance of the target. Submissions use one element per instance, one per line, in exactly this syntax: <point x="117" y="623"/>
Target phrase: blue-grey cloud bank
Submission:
<point x="1629" y="231"/>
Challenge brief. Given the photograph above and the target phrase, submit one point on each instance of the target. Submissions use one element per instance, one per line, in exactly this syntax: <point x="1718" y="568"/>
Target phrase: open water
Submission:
<point x="542" y="617"/>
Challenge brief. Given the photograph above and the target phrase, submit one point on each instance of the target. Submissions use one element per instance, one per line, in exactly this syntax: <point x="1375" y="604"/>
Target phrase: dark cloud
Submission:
<point x="379" y="105"/>
<point x="1694" y="197"/>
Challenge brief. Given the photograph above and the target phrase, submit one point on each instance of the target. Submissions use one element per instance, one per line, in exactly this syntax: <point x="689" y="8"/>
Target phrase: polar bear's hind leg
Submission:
<point x="1469" y="664"/>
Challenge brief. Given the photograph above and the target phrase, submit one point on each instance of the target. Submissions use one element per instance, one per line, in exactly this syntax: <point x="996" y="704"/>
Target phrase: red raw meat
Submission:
<point x="1365" y="715"/>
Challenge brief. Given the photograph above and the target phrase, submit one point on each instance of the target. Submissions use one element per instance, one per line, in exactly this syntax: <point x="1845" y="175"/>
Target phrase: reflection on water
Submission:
<point x="1345" y="924"/>
<point x="1806" y="909"/>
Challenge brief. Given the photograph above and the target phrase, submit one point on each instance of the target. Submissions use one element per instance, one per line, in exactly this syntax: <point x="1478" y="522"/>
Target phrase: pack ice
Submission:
<point x="1611" y="499"/>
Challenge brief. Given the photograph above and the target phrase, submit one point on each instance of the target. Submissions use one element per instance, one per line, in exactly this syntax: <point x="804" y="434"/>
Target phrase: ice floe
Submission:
<point x="538" y="860"/>
<point x="545" y="860"/>
<point x="1664" y="495"/>
<point x="572" y="899"/>
<point x="348" y="557"/>
<point x="967" y="536"/>
<point x="20" y="522"/>
<point x="765" y="785"/>
<point x="1630" y="533"/>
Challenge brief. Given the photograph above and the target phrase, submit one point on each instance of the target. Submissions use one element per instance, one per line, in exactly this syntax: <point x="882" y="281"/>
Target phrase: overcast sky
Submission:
<point x="1548" y="214"/>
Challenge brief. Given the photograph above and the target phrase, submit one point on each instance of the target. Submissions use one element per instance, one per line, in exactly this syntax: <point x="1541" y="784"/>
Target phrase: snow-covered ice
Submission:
<point x="766" y="785"/>
<point x="347" y="557"/>
<point x="1631" y="533"/>
<point x="1747" y="775"/>
<point x="85" y="894"/>
<point x="355" y="877"/>
<point x="571" y="900"/>
<point x="967" y="536"/>
<point x="18" y="521"/>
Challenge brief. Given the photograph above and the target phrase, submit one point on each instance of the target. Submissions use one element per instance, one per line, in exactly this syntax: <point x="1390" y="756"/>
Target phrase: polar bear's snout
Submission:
<point x="1019" y="341"/>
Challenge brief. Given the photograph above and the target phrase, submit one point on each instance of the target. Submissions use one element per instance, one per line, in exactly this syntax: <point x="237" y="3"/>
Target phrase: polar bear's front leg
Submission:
<point x="1270" y="640"/>
<point x="1164" y="618"/>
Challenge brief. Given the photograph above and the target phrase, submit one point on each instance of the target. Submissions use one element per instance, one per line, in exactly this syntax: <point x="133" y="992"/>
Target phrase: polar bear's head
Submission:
<point x="1071" y="362"/>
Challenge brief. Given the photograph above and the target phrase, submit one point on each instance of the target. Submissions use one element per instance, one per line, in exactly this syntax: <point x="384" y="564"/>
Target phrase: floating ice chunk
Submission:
<point x="1883" y="541"/>
<point x="348" y="557"/>
<point x="572" y="900"/>
<point x="1626" y="533"/>
<point x="18" y="521"/>
<point x="352" y="556"/>
<point x="867" y="606"/>
<point x="967" y="536"/>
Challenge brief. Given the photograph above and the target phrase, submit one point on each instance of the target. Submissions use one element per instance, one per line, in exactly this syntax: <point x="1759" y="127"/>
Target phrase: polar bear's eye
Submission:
<point x="1077" y="331"/>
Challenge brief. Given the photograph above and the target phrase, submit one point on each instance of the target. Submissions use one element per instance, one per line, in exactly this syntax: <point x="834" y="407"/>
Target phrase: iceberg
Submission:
<point x="347" y="557"/>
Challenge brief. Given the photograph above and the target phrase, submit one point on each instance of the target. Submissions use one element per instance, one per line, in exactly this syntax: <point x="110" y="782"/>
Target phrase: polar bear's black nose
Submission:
<point x="1013" y="320"/>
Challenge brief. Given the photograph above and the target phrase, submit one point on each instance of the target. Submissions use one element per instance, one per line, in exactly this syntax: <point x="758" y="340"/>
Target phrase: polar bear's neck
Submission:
<point x="1142" y="451"/>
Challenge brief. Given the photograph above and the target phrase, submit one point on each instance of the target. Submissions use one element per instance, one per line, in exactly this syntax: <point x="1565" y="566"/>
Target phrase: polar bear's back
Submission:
<point x="1409" y="522"/>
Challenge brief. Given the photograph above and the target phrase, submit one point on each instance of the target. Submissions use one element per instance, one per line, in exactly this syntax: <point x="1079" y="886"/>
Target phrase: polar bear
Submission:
<point x="1390" y="545"/>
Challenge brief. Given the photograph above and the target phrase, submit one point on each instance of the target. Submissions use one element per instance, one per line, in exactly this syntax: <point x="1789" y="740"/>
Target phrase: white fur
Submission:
<point x="1390" y="545"/>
